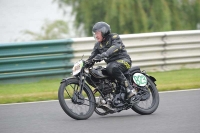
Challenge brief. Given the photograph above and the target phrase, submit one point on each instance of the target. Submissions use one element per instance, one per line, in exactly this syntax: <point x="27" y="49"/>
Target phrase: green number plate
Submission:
<point x="140" y="79"/>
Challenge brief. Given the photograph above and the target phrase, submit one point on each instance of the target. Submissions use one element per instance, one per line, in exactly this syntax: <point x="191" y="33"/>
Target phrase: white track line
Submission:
<point x="57" y="100"/>
<point x="180" y="90"/>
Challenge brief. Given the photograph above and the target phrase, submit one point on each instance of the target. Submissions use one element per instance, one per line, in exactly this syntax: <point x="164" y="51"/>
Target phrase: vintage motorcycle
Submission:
<point x="91" y="89"/>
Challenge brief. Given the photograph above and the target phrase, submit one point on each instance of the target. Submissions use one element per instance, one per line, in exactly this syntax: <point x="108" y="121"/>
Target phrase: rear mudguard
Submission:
<point x="153" y="79"/>
<point x="136" y="69"/>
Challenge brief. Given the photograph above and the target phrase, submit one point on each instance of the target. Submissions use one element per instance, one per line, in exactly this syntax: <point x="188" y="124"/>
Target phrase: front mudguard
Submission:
<point x="65" y="79"/>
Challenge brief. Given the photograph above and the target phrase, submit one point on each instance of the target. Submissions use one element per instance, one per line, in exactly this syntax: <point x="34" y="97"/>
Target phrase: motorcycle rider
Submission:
<point x="109" y="47"/>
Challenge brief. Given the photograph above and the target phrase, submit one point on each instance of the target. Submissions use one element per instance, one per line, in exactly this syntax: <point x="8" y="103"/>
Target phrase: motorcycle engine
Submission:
<point x="107" y="87"/>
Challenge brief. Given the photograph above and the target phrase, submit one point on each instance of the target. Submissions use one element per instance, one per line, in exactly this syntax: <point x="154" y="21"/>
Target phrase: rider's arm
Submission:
<point x="94" y="52"/>
<point x="116" y="45"/>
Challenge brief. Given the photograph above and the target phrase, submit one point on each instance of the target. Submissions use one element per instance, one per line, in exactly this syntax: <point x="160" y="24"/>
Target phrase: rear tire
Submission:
<point x="68" y="91"/>
<point x="151" y="104"/>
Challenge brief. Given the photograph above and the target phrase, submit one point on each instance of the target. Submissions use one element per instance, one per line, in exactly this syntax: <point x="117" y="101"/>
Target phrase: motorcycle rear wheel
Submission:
<point x="149" y="105"/>
<point x="77" y="106"/>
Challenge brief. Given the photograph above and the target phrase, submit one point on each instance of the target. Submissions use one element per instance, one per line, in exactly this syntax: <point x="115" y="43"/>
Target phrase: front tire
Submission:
<point x="77" y="106"/>
<point x="149" y="105"/>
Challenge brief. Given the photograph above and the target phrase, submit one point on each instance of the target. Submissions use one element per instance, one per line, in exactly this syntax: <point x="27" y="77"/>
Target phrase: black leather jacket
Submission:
<point x="113" y="47"/>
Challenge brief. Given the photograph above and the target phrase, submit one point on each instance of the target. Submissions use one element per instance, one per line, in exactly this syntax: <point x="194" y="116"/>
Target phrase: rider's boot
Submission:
<point x="130" y="90"/>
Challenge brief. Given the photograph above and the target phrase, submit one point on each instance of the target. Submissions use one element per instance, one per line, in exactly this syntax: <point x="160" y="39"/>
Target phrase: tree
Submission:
<point x="160" y="15"/>
<point x="175" y="13"/>
<point x="136" y="16"/>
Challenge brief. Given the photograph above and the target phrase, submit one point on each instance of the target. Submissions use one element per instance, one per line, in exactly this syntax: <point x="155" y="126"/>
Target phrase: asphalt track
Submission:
<point x="178" y="112"/>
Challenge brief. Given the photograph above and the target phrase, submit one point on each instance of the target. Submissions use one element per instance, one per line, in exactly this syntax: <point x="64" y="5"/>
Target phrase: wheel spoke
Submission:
<point x="79" y="109"/>
<point x="147" y="103"/>
<point x="68" y="93"/>
<point x="77" y="105"/>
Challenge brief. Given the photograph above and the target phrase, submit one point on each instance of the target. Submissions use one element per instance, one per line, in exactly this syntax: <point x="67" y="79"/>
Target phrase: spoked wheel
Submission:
<point x="76" y="105"/>
<point x="149" y="102"/>
<point x="98" y="110"/>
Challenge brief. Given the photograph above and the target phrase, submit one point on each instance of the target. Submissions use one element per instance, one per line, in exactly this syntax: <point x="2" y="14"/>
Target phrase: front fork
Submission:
<point x="79" y="98"/>
<point x="81" y="83"/>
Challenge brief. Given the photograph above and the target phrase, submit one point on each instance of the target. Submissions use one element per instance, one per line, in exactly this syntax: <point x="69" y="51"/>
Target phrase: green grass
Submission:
<point x="27" y="92"/>
<point x="47" y="89"/>
<point x="177" y="79"/>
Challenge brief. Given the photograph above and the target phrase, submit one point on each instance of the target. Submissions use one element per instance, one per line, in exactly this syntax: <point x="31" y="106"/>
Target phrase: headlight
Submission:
<point x="77" y="68"/>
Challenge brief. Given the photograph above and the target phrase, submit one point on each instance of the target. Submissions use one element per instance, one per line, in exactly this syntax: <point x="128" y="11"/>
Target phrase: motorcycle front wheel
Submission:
<point x="79" y="106"/>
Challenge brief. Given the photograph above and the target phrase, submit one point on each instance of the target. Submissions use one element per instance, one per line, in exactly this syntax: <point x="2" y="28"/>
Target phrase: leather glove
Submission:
<point x="100" y="57"/>
<point x="89" y="63"/>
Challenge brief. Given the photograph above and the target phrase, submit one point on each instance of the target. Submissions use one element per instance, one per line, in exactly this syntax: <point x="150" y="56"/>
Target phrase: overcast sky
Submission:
<point x="19" y="15"/>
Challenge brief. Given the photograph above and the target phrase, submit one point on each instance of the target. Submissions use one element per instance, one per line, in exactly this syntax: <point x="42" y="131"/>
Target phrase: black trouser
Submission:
<point x="116" y="69"/>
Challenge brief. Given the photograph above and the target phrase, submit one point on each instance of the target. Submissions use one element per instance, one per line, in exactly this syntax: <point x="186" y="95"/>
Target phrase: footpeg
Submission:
<point x="134" y="99"/>
<point x="106" y="107"/>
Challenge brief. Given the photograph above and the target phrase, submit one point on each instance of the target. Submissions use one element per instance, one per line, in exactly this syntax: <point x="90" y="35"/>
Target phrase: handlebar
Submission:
<point x="95" y="60"/>
<point x="91" y="62"/>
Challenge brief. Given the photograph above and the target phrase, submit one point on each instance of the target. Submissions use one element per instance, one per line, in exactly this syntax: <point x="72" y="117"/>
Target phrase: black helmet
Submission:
<point x="103" y="27"/>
